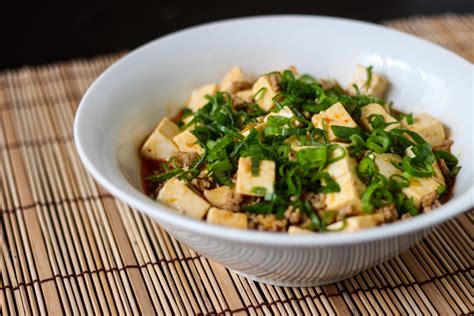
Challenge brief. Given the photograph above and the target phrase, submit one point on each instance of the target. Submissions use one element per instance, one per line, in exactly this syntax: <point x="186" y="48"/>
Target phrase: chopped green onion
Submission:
<point x="366" y="168"/>
<point x="344" y="132"/>
<point x="259" y="190"/>
<point x="416" y="171"/>
<point x="369" y="77"/>
<point x="397" y="182"/>
<point x="260" y="93"/>
<point x="276" y="120"/>
<point x="164" y="176"/>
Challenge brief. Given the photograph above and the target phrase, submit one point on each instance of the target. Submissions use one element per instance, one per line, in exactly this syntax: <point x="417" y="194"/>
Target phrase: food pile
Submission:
<point x="290" y="153"/>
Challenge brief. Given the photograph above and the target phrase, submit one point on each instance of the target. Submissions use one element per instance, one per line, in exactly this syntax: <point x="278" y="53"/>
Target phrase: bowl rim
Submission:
<point x="156" y="210"/>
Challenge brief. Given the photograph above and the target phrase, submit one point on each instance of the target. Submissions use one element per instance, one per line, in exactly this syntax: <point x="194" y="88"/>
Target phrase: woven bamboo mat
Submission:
<point x="67" y="246"/>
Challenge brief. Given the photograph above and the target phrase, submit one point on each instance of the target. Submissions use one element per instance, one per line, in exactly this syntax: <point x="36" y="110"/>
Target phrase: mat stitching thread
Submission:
<point x="37" y="142"/>
<point x="60" y="202"/>
<point x="84" y="273"/>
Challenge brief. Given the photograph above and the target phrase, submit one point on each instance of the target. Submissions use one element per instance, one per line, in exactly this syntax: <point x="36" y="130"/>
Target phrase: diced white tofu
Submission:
<point x="187" y="142"/>
<point x="219" y="196"/>
<point x="349" y="196"/>
<point x="222" y="217"/>
<point x="428" y="127"/>
<point x="385" y="166"/>
<point x="233" y="76"/>
<point x="344" y="173"/>
<point x="377" y="85"/>
<point x="198" y="97"/>
<point x="341" y="166"/>
<point x="357" y="223"/>
<point x="335" y="115"/>
<point x="264" y="89"/>
<point x="248" y="184"/>
<point x="159" y="144"/>
<point x="419" y="188"/>
<point x="367" y="110"/>
<point x="295" y="230"/>
<point x="244" y="96"/>
<point x="177" y="194"/>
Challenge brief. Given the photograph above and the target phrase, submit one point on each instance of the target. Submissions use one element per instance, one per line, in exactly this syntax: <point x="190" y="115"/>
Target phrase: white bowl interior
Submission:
<point x="125" y="104"/>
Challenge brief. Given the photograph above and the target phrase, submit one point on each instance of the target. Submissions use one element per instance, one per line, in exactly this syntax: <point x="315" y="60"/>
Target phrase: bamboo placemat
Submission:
<point x="67" y="246"/>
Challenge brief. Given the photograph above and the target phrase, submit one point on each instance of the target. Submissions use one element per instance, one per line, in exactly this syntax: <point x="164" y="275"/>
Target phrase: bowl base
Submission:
<point x="291" y="283"/>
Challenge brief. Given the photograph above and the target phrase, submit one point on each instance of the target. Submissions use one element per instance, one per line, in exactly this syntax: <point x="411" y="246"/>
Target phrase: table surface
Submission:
<point x="69" y="247"/>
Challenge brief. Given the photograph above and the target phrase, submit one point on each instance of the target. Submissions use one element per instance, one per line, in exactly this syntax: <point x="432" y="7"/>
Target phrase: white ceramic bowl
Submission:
<point x="128" y="99"/>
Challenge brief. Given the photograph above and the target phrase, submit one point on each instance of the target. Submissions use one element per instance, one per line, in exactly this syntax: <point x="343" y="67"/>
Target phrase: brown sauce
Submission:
<point x="149" y="167"/>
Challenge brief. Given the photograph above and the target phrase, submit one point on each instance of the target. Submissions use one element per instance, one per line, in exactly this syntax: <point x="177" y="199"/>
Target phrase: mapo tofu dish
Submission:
<point x="287" y="152"/>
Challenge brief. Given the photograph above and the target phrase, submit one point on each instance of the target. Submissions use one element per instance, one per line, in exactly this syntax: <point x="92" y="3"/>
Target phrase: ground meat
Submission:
<point x="328" y="84"/>
<point x="444" y="169"/>
<point x="185" y="159"/>
<point x="406" y="216"/>
<point x="347" y="211"/>
<point x="203" y="181"/>
<point x="275" y="81"/>
<point x="433" y="206"/>
<point x="293" y="215"/>
<point x="316" y="200"/>
<point x="430" y="201"/>
<point x="389" y="212"/>
<point x="267" y="223"/>
<point x="446" y="145"/>
<point x="239" y="86"/>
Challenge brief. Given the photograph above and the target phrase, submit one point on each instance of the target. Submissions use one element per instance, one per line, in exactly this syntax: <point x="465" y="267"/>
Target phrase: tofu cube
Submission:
<point x="419" y="188"/>
<point x="263" y="91"/>
<point x="187" y="142"/>
<point x="244" y="96"/>
<point x="341" y="166"/>
<point x="385" y="166"/>
<point x="357" y="223"/>
<point x="344" y="173"/>
<point x="233" y="76"/>
<point x="159" y="144"/>
<point x="177" y="194"/>
<point x="198" y="97"/>
<point x="349" y="196"/>
<point x="335" y="115"/>
<point x="428" y="127"/>
<point x="295" y="230"/>
<point x="222" y="217"/>
<point x="377" y="86"/>
<point x="375" y="108"/>
<point x="220" y="196"/>
<point x="248" y="183"/>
